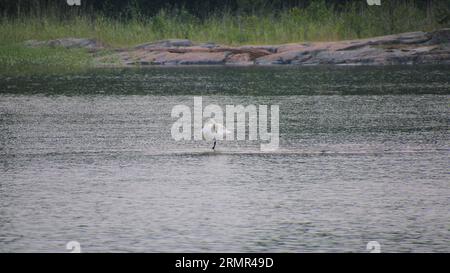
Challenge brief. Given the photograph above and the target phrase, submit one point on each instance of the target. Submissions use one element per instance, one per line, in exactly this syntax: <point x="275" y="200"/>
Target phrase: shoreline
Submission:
<point x="410" y="48"/>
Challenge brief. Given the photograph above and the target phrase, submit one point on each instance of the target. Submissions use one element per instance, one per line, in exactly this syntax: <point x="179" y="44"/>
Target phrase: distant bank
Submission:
<point x="399" y="49"/>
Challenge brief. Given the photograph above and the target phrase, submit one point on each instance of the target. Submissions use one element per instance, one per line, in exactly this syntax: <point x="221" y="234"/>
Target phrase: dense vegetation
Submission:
<point x="226" y="21"/>
<point x="130" y="22"/>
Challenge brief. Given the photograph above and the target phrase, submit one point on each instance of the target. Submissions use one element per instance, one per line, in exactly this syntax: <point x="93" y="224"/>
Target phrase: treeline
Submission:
<point x="130" y="22"/>
<point x="126" y="9"/>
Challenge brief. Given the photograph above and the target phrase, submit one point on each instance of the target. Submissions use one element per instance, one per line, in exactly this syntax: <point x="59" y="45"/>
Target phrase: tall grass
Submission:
<point x="317" y="22"/>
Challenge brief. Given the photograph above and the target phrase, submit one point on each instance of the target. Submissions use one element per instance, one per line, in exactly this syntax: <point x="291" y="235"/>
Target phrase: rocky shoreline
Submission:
<point x="399" y="49"/>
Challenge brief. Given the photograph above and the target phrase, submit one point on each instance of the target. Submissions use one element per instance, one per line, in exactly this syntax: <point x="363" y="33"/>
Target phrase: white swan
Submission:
<point x="212" y="130"/>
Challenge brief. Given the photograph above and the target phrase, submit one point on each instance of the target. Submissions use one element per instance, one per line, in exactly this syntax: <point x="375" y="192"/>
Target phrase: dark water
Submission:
<point x="364" y="156"/>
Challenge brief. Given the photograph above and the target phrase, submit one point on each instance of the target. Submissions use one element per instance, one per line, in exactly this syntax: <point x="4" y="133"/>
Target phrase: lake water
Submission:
<point x="89" y="157"/>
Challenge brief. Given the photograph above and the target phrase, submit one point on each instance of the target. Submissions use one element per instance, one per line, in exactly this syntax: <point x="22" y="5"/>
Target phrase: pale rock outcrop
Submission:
<point x="405" y="48"/>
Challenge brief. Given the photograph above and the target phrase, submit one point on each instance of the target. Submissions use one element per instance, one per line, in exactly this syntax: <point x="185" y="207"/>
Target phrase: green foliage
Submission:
<point x="19" y="55"/>
<point x="254" y="22"/>
<point x="316" y="22"/>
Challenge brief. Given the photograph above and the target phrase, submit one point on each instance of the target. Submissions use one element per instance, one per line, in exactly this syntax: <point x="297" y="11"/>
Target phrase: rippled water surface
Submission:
<point x="364" y="156"/>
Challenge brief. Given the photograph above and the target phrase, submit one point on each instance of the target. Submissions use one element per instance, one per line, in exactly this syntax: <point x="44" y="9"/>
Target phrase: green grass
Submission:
<point x="16" y="58"/>
<point x="11" y="55"/>
<point x="317" y="22"/>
